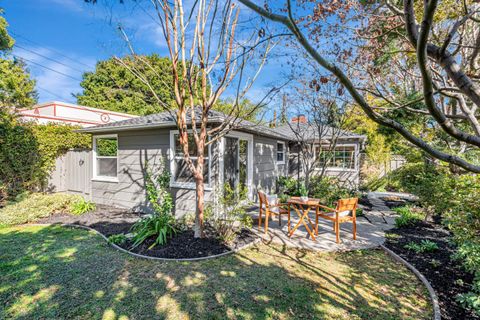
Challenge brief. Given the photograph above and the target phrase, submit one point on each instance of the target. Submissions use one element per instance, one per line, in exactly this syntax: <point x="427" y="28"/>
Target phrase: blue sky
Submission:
<point x="61" y="39"/>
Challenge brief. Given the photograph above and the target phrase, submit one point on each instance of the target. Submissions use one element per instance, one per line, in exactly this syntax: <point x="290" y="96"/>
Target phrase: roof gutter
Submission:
<point x="94" y="130"/>
<point x="126" y="128"/>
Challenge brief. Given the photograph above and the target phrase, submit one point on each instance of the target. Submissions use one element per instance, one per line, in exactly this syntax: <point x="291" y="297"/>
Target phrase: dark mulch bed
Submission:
<point x="184" y="245"/>
<point x="110" y="221"/>
<point x="446" y="276"/>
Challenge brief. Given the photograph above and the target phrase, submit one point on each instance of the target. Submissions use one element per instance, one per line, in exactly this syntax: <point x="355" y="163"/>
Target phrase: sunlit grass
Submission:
<point x="54" y="272"/>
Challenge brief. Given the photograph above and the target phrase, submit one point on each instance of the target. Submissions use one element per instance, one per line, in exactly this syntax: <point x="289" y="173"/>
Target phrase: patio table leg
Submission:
<point x="302" y="217"/>
<point x="289" y="227"/>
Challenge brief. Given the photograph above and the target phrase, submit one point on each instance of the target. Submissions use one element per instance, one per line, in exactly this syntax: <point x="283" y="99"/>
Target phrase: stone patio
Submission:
<point x="370" y="229"/>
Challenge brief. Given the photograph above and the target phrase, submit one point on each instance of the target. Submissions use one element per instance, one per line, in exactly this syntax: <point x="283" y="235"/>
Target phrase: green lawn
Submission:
<point x="55" y="272"/>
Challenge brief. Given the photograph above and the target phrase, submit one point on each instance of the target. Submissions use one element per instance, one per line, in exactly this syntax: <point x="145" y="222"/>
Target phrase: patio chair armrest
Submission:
<point x="327" y="208"/>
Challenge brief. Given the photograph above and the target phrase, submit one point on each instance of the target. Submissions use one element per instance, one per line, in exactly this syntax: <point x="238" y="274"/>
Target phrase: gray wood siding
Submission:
<point x="265" y="168"/>
<point x="351" y="178"/>
<point x="135" y="149"/>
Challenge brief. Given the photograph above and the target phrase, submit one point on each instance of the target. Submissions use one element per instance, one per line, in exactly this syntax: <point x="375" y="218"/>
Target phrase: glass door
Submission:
<point x="231" y="168"/>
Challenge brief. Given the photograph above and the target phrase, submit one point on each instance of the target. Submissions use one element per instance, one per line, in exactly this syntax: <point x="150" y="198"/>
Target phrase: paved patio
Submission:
<point x="370" y="229"/>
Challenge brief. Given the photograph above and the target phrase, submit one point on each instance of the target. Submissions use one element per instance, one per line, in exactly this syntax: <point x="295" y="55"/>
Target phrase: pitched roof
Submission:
<point x="309" y="131"/>
<point x="168" y="119"/>
<point x="293" y="132"/>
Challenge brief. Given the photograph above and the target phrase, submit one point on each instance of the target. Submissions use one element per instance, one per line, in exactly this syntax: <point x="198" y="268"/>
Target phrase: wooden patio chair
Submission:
<point x="271" y="209"/>
<point x="346" y="211"/>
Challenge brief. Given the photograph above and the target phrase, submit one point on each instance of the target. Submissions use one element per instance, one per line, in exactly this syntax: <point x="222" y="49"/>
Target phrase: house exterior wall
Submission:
<point x="266" y="170"/>
<point x="136" y="148"/>
<point x="351" y="177"/>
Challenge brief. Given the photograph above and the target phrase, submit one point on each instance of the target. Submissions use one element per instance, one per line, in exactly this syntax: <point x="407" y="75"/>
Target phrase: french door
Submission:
<point x="237" y="161"/>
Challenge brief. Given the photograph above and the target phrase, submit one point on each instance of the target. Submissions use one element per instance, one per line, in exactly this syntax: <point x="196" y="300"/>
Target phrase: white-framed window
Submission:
<point x="181" y="176"/>
<point x="105" y="157"/>
<point x="280" y="152"/>
<point x="340" y="157"/>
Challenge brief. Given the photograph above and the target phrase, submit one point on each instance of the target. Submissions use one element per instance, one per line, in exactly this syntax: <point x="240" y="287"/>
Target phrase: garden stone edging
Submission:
<point x="431" y="291"/>
<point x="137" y="255"/>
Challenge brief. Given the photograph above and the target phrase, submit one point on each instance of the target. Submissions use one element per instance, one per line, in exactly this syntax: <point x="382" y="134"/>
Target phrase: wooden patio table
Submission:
<point x="302" y="208"/>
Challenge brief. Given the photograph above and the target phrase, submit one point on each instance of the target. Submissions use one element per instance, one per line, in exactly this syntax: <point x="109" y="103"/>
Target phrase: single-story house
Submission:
<point x="253" y="155"/>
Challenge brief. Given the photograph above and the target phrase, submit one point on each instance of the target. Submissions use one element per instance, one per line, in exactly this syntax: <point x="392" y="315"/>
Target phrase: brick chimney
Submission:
<point x="301" y="118"/>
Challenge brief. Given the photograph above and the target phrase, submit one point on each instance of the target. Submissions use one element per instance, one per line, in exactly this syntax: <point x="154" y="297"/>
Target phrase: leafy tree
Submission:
<point x="16" y="88"/>
<point x="244" y="109"/>
<point x="6" y="42"/>
<point x="438" y="40"/>
<point x="113" y="86"/>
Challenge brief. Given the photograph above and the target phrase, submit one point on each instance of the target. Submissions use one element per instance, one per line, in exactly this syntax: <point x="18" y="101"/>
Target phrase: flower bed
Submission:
<point x="112" y="221"/>
<point x="447" y="276"/>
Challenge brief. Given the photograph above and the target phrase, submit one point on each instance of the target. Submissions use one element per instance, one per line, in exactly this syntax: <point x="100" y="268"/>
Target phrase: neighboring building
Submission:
<point x="61" y="112"/>
<point x="252" y="155"/>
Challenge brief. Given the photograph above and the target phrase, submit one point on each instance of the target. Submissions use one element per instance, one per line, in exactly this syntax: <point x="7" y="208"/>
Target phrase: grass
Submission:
<point x="56" y="272"/>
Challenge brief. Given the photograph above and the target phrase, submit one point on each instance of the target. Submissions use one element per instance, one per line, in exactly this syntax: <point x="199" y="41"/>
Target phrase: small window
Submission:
<point x="181" y="174"/>
<point x="106" y="151"/>
<point x="280" y="153"/>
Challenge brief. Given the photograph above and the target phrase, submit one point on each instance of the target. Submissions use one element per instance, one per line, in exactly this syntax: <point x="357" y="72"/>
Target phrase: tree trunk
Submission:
<point x="199" y="193"/>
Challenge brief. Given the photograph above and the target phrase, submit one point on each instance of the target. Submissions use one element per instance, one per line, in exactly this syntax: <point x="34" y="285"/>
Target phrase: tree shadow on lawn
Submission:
<point x="57" y="272"/>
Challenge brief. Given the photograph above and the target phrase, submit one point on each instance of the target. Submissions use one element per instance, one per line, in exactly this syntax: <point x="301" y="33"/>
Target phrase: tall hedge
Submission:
<point x="28" y="152"/>
<point x="19" y="157"/>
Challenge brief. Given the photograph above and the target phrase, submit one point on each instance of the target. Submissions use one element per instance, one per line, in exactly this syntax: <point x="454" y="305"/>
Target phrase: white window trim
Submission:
<point x="94" y="162"/>
<point x="284" y="152"/>
<point x="171" y="156"/>
<point x="355" y="160"/>
<point x="242" y="136"/>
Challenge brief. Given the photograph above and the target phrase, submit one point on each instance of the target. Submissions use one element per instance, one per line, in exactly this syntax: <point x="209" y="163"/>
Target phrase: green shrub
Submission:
<point x="471" y="300"/>
<point x="329" y="190"/>
<point x="228" y="216"/>
<point x="408" y="216"/>
<point x="20" y="163"/>
<point x="161" y="224"/>
<point x="422" y="247"/>
<point x="454" y="198"/>
<point x="36" y="206"/>
<point x="28" y="152"/>
<point x="82" y="206"/>
<point x="118" y="239"/>
<point x="288" y="185"/>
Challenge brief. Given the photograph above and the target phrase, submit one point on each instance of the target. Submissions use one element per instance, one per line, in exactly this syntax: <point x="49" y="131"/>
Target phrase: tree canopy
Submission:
<point x="17" y="89"/>
<point x="114" y="86"/>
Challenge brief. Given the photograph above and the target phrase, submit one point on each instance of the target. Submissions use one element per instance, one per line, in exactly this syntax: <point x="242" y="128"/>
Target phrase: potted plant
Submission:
<point x="302" y="190"/>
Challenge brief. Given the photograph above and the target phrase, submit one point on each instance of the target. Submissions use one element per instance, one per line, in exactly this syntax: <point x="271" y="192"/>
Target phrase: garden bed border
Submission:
<point x="433" y="295"/>
<point x="137" y="255"/>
